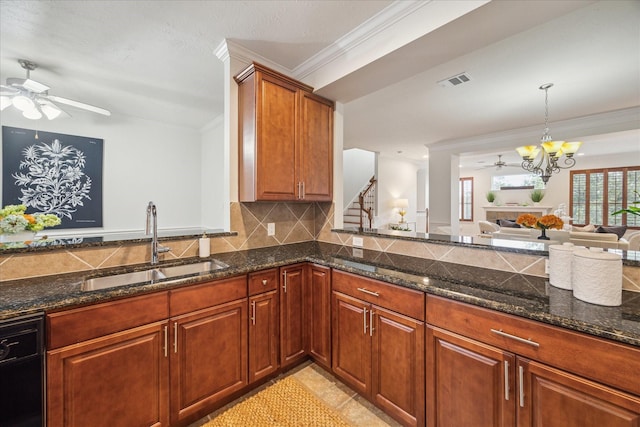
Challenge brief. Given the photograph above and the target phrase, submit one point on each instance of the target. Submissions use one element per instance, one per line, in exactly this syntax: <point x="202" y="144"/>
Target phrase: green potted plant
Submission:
<point x="491" y="196"/>
<point x="633" y="210"/>
<point x="537" y="195"/>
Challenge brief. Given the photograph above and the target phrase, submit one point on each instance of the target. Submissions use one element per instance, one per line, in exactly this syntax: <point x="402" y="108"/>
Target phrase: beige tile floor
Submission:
<point x="331" y="391"/>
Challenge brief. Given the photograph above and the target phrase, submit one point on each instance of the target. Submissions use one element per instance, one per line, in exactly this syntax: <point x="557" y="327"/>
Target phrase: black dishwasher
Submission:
<point x="21" y="371"/>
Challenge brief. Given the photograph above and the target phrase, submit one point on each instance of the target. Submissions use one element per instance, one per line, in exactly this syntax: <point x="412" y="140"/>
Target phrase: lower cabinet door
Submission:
<point x="292" y="327"/>
<point x="208" y="357"/>
<point x="552" y="398"/>
<point x="319" y="314"/>
<point x="469" y="384"/>
<point x="263" y="335"/>
<point x="398" y="364"/>
<point x="351" y="358"/>
<point x="122" y="378"/>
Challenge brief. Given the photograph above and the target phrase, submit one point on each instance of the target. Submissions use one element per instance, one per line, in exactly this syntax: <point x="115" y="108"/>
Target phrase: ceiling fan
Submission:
<point x="500" y="164"/>
<point x="33" y="100"/>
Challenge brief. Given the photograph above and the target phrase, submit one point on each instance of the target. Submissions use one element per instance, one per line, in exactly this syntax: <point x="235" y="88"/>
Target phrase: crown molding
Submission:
<point x="596" y="124"/>
<point x="373" y="26"/>
<point x="231" y="49"/>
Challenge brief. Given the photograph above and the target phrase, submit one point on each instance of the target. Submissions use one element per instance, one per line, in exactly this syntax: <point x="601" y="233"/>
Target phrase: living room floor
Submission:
<point x="353" y="408"/>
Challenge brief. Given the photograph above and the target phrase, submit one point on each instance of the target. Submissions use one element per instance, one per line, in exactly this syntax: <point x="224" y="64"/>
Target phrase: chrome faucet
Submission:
<point x="152" y="215"/>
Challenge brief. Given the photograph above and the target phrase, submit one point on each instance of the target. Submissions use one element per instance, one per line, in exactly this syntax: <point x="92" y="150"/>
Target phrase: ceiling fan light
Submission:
<point x="33" y="114"/>
<point x="50" y="110"/>
<point x="5" y="101"/>
<point x="22" y="103"/>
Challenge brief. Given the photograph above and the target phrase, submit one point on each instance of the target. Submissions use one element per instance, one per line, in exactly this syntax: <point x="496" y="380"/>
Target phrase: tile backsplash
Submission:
<point x="294" y="222"/>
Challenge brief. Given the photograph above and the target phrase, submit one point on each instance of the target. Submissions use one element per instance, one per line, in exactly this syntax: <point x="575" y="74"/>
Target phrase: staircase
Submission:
<point x="351" y="217"/>
<point x="359" y="213"/>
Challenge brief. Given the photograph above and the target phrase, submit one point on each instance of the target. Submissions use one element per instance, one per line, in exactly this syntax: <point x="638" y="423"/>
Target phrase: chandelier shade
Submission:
<point x="545" y="161"/>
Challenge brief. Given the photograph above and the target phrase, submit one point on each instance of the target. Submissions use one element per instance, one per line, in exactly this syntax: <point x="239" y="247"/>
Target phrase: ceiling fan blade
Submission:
<point x="27" y="84"/>
<point x="78" y="104"/>
<point x="8" y="90"/>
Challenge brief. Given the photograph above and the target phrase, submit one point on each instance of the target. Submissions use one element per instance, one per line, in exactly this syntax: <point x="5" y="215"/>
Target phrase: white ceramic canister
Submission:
<point x="204" y="246"/>
<point x="597" y="276"/>
<point x="560" y="265"/>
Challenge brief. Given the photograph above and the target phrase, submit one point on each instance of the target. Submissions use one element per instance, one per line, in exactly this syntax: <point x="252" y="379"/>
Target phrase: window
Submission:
<point x="505" y="182"/>
<point x="466" y="199"/>
<point x="596" y="194"/>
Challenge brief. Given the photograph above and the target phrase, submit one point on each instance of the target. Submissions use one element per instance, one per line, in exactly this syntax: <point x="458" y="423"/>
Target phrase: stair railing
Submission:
<point x="366" y="200"/>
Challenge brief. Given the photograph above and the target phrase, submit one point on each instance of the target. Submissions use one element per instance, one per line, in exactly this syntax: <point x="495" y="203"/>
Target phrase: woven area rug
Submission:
<point x="286" y="403"/>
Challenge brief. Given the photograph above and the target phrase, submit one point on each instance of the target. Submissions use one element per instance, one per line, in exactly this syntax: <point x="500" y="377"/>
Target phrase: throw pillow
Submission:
<point x="618" y="230"/>
<point x="510" y="224"/>
<point x="588" y="227"/>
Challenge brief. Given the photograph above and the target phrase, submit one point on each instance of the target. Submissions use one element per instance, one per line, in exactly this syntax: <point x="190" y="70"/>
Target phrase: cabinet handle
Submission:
<point x="521" y="381"/>
<point x="506" y="380"/>
<point x="366" y="291"/>
<point x="285" y="281"/>
<point x="364" y="319"/>
<point x="166" y="340"/>
<point x="299" y="190"/>
<point x="264" y="282"/>
<point x="516" y="338"/>
<point x="371" y="328"/>
<point x="303" y="195"/>
<point x="253" y="312"/>
<point x="175" y="337"/>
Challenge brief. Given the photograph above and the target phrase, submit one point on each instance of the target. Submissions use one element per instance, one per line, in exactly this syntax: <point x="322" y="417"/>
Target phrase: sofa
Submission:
<point x="578" y="238"/>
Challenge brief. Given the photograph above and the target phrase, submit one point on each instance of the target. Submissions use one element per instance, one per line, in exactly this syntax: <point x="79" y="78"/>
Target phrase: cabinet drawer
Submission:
<point x="401" y="300"/>
<point x="263" y="281"/>
<point x="205" y="295"/>
<point x="84" y="323"/>
<point x="608" y="362"/>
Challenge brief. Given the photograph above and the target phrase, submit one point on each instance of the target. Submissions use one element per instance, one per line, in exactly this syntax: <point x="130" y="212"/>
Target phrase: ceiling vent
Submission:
<point x="455" y="80"/>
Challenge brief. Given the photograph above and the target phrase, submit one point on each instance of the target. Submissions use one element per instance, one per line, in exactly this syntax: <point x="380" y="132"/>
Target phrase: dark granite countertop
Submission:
<point x="513" y="293"/>
<point x="524" y="246"/>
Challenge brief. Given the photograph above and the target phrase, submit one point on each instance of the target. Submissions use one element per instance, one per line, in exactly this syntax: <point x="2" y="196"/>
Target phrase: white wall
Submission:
<point x="357" y="169"/>
<point x="557" y="189"/>
<point x="397" y="179"/>
<point x="214" y="205"/>
<point x="145" y="160"/>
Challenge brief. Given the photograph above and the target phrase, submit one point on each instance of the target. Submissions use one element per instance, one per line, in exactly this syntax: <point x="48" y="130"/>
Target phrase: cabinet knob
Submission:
<point x="264" y="282"/>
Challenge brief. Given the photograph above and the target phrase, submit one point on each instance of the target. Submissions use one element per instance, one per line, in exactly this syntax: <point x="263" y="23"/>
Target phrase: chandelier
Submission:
<point x="552" y="151"/>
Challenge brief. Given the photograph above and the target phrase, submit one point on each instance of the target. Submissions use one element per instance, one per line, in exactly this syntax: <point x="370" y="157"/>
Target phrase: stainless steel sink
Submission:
<point x="152" y="275"/>
<point x="193" y="269"/>
<point x="145" y="276"/>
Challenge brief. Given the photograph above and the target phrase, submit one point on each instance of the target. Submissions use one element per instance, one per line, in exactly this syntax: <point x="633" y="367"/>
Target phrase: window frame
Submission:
<point x="606" y="214"/>
<point x="461" y="200"/>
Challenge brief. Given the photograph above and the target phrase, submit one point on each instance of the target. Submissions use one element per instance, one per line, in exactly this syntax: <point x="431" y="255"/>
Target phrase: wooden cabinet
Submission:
<point x="208" y="358"/>
<point x="159" y="359"/>
<point x="480" y="372"/>
<point x="208" y="345"/>
<point x="292" y="314"/>
<point x="286" y="139"/>
<point x="99" y="380"/>
<point x="264" y="324"/>
<point x="555" y="398"/>
<point x="468" y="383"/>
<point x="318" y="295"/>
<point x="377" y="348"/>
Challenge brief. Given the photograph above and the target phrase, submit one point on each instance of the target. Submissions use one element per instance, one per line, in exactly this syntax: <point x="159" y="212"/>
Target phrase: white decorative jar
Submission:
<point x="597" y="276"/>
<point x="560" y="265"/>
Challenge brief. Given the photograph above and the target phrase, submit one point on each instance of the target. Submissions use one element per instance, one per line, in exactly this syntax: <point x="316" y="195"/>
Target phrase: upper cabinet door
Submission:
<point x="286" y="139"/>
<point x="315" y="156"/>
<point x="276" y="140"/>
